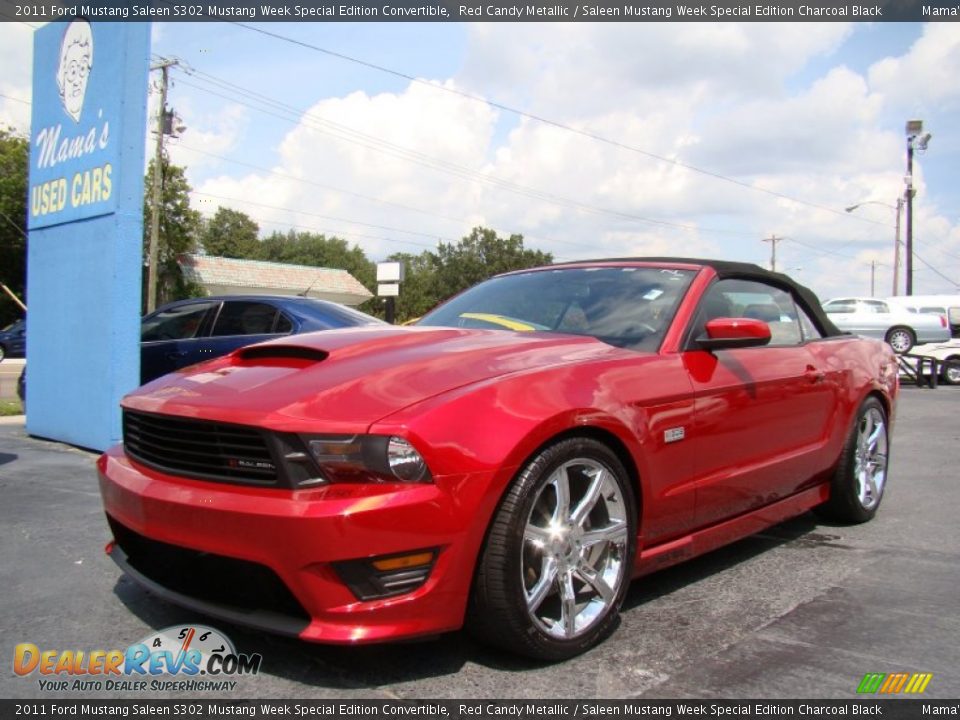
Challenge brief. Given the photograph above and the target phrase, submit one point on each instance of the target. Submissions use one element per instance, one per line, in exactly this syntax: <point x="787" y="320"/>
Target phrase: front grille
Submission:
<point x="199" y="448"/>
<point x="222" y="581"/>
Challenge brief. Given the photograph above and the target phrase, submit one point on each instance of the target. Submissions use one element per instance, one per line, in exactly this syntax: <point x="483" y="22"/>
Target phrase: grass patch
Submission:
<point x="10" y="407"/>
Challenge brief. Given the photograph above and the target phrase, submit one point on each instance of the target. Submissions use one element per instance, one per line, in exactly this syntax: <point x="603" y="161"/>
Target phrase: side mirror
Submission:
<point x="726" y="333"/>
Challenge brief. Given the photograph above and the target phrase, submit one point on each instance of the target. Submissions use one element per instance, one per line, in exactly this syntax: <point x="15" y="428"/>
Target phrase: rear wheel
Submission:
<point x="901" y="339"/>
<point x="950" y="373"/>
<point x="559" y="554"/>
<point x="861" y="474"/>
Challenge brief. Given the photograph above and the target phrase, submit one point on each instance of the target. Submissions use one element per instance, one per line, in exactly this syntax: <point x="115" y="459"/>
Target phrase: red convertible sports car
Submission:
<point x="509" y="464"/>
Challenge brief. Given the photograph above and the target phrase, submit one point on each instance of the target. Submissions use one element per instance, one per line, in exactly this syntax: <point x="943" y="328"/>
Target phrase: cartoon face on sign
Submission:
<point x="76" y="61"/>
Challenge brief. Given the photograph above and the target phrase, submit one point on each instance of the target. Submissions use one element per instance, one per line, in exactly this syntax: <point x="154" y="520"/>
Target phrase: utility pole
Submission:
<point x="156" y="199"/>
<point x="773" y="240"/>
<point x="873" y="278"/>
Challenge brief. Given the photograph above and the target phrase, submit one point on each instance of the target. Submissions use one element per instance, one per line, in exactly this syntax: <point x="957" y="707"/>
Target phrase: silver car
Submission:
<point x="875" y="318"/>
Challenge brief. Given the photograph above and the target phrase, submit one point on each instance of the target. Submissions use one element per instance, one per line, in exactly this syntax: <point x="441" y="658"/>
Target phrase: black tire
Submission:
<point x="950" y="371"/>
<point x="536" y="554"/>
<point x="861" y="474"/>
<point x="901" y="339"/>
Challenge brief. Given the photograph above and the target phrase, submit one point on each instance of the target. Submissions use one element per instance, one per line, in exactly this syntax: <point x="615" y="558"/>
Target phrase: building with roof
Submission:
<point x="228" y="276"/>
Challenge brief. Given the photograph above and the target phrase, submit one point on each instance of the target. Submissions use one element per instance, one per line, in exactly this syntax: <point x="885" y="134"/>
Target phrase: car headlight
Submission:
<point x="367" y="458"/>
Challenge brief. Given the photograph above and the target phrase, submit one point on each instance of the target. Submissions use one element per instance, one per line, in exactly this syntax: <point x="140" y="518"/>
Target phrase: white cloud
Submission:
<point x="16" y="57"/>
<point x="925" y="78"/>
<point x="780" y="106"/>
<point x="207" y="135"/>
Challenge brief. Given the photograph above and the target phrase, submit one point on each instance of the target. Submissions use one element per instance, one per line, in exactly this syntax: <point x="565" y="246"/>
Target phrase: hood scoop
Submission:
<point x="286" y="355"/>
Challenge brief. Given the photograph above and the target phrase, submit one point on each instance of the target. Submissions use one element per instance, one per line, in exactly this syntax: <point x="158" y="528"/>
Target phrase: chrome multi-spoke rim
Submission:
<point x="900" y="341"/>
<point x="574" y="549"/>
<point x="871" y="461"/>
<point x="952" y="371"/>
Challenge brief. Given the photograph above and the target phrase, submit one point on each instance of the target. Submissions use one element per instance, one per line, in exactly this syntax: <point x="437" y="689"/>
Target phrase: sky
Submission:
<point x="589" y="139"/>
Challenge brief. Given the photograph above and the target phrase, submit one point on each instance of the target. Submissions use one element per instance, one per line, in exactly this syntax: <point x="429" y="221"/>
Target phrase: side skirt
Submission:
<point x="710" y="538"/>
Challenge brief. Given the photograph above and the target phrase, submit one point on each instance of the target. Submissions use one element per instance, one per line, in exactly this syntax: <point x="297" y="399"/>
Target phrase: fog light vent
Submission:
<point x="385" y="576"/>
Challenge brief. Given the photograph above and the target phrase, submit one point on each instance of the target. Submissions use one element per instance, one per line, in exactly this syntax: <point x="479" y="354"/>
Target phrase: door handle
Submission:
<point x="815" y="376"/>
<point x="175" y="355"/>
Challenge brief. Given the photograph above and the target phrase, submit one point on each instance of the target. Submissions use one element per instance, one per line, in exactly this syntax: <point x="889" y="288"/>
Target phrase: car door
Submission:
<point x="865" y="317"/>
<point x="18" y="339"/>
<point x="760" y="413"/>
<point x="170" y="337"/>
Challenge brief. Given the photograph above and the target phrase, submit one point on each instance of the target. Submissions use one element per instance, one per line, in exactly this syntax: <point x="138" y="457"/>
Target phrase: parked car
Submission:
<point x="946" y="305"/>
<point x="188" y="331"/>
<point x="509" y="463"/>
<point x="900" y="328"/>
<point x="13" y="340"/>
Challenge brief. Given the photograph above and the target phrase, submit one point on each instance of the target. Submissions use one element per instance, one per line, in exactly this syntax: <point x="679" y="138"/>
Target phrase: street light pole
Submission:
<point x="914" y="141"/>
<point x="896" y="235"/>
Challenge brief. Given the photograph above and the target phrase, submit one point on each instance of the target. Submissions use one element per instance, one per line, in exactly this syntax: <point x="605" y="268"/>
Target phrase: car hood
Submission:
<point x="347" y="379"/>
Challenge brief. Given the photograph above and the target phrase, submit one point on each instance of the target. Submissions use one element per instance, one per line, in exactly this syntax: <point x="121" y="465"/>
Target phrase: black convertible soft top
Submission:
<point x="744" y="271"/>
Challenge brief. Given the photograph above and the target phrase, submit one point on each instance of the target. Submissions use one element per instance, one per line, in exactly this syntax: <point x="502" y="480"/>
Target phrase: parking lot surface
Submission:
<point x="802" y="610"/>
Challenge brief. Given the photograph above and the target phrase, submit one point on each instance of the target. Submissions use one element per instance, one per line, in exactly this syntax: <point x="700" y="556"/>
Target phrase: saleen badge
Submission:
<point x="674" y="434"/>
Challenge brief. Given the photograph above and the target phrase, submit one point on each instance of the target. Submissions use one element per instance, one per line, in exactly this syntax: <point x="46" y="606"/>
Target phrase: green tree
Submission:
<point x="432" y="277"/>
<point x="419" y="292"/>
<point x="230" y="233"/>
<point x="179" y="232"/>
<point x="480" y="255"/>
<point x="14" y="163"/>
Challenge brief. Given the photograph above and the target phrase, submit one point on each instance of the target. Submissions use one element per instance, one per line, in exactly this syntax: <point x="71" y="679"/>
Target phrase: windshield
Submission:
<point x="629" y="307"/>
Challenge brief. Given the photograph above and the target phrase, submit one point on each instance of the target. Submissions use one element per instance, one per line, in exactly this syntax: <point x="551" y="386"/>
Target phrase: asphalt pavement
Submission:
<point x="803" y="610"/>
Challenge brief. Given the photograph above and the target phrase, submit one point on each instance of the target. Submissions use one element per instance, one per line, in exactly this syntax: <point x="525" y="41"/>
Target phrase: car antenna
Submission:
<point x="306" y="292"/>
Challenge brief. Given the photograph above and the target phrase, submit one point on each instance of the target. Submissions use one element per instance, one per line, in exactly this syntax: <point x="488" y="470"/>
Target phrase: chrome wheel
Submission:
<point x="951" y="371"/>
<point x="870" y="468"/>
<point x="860" y="478"/>
<point x="574" y="549"/>
<point x="901" y="340"/>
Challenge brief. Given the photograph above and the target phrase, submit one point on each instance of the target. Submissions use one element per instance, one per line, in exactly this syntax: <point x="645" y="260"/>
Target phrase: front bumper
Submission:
<point x="266" y="557"/>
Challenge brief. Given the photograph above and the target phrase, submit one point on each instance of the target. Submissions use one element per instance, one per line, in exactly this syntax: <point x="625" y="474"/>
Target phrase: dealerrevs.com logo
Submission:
<point x="185" y="658"/>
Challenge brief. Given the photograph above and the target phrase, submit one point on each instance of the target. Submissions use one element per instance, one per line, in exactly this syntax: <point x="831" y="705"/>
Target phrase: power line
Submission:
<point x="316" y="183"/>
<point x="935" y="271"/>
<point x="332" y="128"/>
<point x="319" y="215"/>
<point x="546" y="121"/>
<point x="10" y="97"/>
<point x="462" y="221"/>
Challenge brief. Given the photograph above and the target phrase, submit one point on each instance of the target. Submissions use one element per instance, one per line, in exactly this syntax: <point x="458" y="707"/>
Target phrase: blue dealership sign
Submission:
<point x="85" y="216"/>
<point x="75" y="81"/>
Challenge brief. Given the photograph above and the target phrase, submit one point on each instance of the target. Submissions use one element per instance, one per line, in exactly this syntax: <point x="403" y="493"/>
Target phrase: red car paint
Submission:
<point x="764" y="427"/>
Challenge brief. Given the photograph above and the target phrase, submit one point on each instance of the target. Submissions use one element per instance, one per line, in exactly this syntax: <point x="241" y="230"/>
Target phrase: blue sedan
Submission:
<point x="189" y="331"/>
<point x="13" y="340"/>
